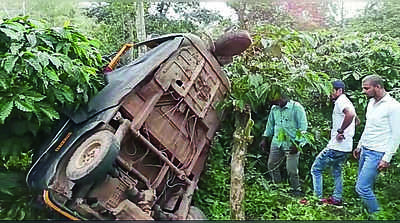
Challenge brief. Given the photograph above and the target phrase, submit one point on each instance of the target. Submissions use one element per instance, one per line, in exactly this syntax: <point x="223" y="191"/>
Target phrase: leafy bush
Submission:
<point x="379" y="16"/>
<point x="43" y="71"/>
<point x="302" y="65"/>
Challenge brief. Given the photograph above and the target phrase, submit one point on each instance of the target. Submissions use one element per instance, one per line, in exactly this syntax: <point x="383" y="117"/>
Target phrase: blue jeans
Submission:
<point x="367" y="172"/>
<point x="329" y="158"/>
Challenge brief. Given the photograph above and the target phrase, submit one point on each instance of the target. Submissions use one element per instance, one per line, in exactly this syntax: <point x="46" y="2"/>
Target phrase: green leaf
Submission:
<point x="59" y="46"/>
<point x="15" y="26"/>
<point x="51" y="74"/>
<point x="68" y="67"/>
<point x="31" y="39"/>
<point x="34" y="96"/>
<point x="9" y="63"/>
<point x="66" y="48"/>
<point x="68" y="93"/>
<point x="35" y="64"/>
<point x="12" y="34"/>
<point x="255" y="80"/>
<point x="15" y="47"/>
<point x="85" y="75"/>
<point x="95" y="43"/>
<point x="308" y="39"/>
<point x="4" y="83"/>
<point x="59" y="96"/>
<point x="43" y="58"/>
<point x="5" y="110"/>
<point x="55" y="61"/>
<point x="50" y="112"/>
<point x="47" y="42"/>
<point x="282" y="135"/>
<point x="24" y="106"/>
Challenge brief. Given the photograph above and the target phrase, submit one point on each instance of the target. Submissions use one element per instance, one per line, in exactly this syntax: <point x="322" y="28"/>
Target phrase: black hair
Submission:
<point x="375" y="80"/>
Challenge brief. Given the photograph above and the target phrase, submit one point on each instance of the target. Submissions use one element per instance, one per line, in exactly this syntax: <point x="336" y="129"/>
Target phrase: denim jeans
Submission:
<point x="276" y="157"/>
<point x="329" y="158"/>
<point x="367" y="172"/>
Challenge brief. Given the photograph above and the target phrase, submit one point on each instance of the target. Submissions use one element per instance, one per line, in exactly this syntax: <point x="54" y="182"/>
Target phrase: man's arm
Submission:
<point x="349" y="115"/>
<point x="357" y="120"/>
<point x="269" y="130"/>
<point x="356" y="151"/>
<point x="394" y="120"/>
<point x="348" y="118"/>
<point x="301" y="118"/>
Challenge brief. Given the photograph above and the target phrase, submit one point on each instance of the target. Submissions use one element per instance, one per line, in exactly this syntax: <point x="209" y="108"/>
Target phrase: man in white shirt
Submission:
<point x="339" y="146"/>
<point x="380" y="139"/>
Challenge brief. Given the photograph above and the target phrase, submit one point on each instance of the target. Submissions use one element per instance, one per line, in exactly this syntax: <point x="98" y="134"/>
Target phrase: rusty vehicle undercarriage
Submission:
<point x="137" y="150"/>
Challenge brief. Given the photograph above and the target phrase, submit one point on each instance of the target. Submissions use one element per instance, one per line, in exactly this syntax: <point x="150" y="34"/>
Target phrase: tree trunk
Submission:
<point x="241" y="140"/>
<point x="342" y="13"/>
<point x="140" y="25"/>
<point x="24" y="7"/>
<point x="242" y="16"/>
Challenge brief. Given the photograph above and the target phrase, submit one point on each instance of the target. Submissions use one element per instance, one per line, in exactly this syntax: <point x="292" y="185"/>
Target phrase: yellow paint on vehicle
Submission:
<point x="63" y="141"/>
<point x="53" y="206"/>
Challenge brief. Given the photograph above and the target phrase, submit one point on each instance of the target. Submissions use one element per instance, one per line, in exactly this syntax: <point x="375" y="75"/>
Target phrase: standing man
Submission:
<point x="380" y="138"/>
<point x="285" y="119"/>
<point x="339" y="146"/>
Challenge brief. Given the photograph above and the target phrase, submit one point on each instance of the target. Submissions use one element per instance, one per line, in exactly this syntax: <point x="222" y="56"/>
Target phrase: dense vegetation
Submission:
<point x="45" y="70"/>
<point x="348" y="56"/>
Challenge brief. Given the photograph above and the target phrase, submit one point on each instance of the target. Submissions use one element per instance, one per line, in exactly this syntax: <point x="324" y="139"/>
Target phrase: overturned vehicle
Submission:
<point x="137" y="149"/>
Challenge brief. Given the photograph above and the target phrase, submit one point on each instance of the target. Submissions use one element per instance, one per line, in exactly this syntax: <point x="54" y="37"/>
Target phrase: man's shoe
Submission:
<point x="303" y="201"/>
<point x="323" y="201"/>
<point x="335" y="202"/>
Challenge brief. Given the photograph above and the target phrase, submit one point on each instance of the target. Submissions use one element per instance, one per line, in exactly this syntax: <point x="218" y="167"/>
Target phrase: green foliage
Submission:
<point x="43" y="71"/>
<point x="255" y="13"/>
<point x="301" y="65"/>
<point x="275" y="62"/>
<point x="14" y="198"/>
<point x="117" y="20"/>
<point x="379" y="16"/>
<point x="55" y="13"/>
<point x="214" y="185"/>
<point x="189" y="17"/>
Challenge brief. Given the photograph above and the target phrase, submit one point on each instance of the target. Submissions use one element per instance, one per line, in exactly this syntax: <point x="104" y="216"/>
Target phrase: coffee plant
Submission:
<point x="302" y="65"/>
<point x="43" y="71"/>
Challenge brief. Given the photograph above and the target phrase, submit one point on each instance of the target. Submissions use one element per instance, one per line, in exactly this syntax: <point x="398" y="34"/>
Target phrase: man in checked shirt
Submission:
<point x="379" y="140"/>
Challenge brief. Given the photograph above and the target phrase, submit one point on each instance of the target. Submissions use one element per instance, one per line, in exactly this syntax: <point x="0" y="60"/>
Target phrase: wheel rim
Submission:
<point x="89" y="155"/>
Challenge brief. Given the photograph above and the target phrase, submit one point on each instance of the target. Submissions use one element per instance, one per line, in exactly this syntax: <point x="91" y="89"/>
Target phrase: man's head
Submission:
<point x="373" y="86"/>
<point x="279" y="98"/>
<point x="338" y="89"/>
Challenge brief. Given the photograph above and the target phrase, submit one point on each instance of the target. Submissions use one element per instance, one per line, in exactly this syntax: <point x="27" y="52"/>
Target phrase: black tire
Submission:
<point x="195" y="214"/>
<point x="93" y="158"/>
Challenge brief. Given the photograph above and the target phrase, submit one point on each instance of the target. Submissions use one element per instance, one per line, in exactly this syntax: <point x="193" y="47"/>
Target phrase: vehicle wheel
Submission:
<point x="93" y="158"/>
<point x="232" y="43"/>
<point x="195" y="214"/>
